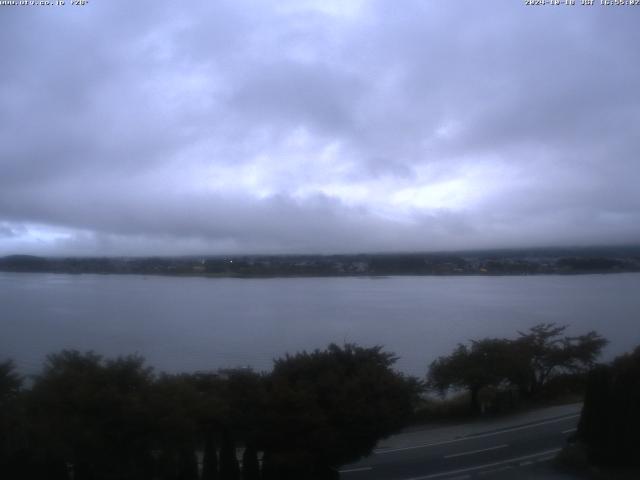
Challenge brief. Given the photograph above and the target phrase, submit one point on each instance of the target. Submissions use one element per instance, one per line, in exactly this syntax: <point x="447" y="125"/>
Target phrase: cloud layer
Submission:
<point x="317" y="126"/>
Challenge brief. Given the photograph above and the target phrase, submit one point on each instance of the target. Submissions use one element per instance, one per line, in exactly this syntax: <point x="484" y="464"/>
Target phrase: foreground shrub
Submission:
<point x="610" y="420"/>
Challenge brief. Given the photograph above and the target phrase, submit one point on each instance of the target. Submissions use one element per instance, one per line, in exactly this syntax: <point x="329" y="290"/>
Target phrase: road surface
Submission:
<point x="509" y="451"/>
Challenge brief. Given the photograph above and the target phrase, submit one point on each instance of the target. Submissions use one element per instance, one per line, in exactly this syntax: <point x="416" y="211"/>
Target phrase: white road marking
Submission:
<point x="475" y="451"/>
<point x="360" y="469"/>
<point x="486" y="465"/>
<point x="569" y="430"/>
<point x="471" y="437"/>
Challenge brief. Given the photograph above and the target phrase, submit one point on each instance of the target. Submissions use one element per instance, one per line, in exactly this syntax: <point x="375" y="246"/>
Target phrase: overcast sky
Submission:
<point x="149" y="127"/>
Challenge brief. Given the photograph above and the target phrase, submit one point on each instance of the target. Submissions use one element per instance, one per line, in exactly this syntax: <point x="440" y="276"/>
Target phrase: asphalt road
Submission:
<point x="513" y="452"/>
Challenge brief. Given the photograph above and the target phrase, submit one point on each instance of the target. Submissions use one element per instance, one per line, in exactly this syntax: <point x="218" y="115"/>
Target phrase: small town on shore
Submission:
<point x="483" y="262"/>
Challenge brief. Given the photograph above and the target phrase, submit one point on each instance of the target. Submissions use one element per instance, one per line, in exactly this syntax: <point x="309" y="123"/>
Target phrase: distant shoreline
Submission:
<point x="370" y="276"/>
<point x="487" y="263"/>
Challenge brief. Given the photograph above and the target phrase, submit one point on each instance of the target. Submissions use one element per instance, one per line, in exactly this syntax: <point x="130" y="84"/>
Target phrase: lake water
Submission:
<point x="186" y="324"/>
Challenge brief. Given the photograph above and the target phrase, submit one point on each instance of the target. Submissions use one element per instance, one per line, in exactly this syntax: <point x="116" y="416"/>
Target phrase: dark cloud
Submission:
<point x="317" y="126"/>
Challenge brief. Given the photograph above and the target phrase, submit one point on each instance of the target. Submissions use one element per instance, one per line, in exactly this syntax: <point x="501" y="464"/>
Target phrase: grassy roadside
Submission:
<point x="436" y="411"/>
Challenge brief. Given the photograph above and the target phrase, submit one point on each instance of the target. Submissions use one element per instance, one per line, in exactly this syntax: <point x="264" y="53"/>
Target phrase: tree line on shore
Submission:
<point x="85" y="417"/>
<point x="543" y="363"/>
<point x="523" y="368"/>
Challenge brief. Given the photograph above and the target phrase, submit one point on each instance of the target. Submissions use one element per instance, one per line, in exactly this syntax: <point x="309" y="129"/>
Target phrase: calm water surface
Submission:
<point x="185" y="324"/>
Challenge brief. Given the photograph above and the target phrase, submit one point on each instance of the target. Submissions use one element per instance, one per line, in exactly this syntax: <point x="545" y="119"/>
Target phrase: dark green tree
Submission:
<point x="244" y="400"/>
<point x="12" y="434"/>
<point x="543" y="352"/>
<point x="483" y="363"/>
<point x="528" y="362"/>
<point x="610" y="418"/>
<point x="92" y="414"/>
<point x="250" y="465"/>
<point x="176" y="404"/>
<point x="209" y="413"/>
<point x="10" y="382"/>
<point x="229" y="467"/>
<point x="331" y="407"/>
<point x="229" y="414"/>
<point x="209" y="457"/>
